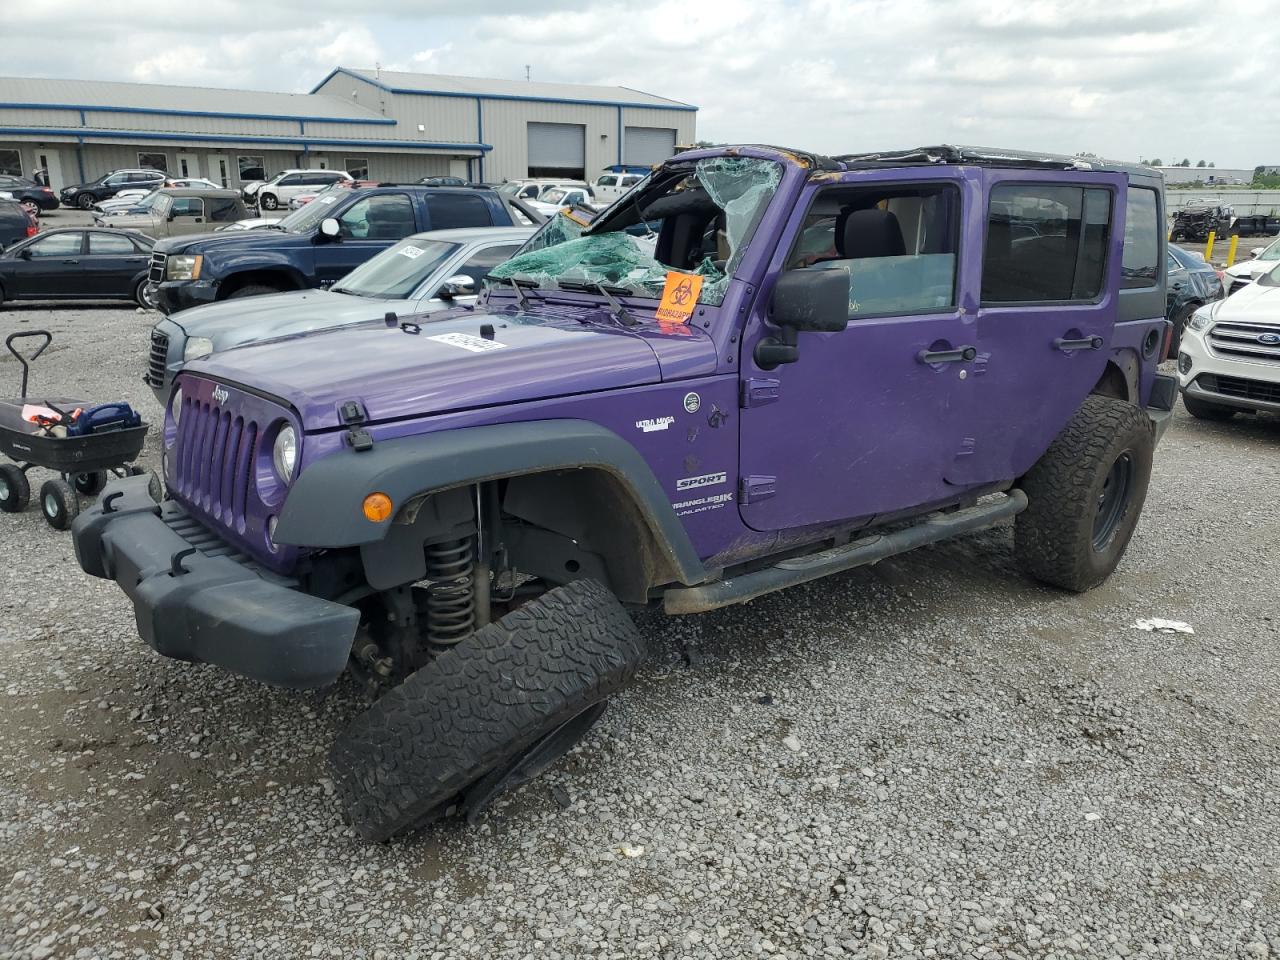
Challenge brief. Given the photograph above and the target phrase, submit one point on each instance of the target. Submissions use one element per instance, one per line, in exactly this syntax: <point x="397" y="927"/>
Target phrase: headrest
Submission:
<point x="870" y="233"/>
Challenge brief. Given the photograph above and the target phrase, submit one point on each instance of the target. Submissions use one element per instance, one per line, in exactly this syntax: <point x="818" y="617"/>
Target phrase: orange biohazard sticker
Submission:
<point x="679" y="297"/>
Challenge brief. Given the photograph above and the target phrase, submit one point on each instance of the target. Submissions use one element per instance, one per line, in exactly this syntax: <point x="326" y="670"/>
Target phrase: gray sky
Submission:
<point x="1139" y="78"/>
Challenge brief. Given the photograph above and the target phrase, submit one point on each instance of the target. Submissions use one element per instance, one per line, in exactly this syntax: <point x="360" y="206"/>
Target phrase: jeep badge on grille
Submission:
<point x="219" y="394"/>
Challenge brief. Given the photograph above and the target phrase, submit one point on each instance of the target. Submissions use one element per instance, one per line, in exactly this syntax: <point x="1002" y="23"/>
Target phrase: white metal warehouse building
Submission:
<point x="375" y="124"/>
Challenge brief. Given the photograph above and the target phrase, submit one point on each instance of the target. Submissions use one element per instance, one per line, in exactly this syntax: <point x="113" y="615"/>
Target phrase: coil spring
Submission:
<point x="451" y="612"/>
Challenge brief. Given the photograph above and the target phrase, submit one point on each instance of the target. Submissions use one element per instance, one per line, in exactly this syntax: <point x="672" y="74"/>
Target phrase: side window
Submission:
<point x="222" y="209"/>
<point x="457" y="208"/>
<point x="897" y="240"/>
<point x="292" y="180"/>
<point x="187" y="207"/>
<point x="1045" y="244"/>
<point x="1171" y="264"/>
<point x="479" y="264"/>
<point x="631" y="181"/>
<point x="385" y="217"/>
<point x="1141" y="267"/>
<point x="111" y="244"/>
<point x="58" y="245"/>
<point x="117" y="180"/>
<point x="529" y="193"/>
<point x="608" y="181"/>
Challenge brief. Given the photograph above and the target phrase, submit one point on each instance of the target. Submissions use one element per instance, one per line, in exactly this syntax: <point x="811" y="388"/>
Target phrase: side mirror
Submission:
<point x="814" y="300"/>
<point x="1256" y="252"/>
<point x="459" y="285"/>
<point x="25" y="253"/>
<point x="330" y="228"/>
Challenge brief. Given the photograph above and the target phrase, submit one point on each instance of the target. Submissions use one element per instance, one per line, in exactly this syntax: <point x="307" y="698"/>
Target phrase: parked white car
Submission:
<point x="533" y="189"/>
<point x="562" y="198"/>
<point x="608" y="187"/>
<point x="284" y="186"/>
<point x="1244" y="273"/>
<point x="1229" y="359"/>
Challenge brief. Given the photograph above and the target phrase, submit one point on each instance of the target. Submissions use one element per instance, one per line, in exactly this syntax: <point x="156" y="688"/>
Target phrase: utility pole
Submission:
<point x="528" y="72"/>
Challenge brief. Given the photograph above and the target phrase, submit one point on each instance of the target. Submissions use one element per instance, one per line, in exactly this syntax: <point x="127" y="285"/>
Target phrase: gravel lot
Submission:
<point x="933" y="757"/>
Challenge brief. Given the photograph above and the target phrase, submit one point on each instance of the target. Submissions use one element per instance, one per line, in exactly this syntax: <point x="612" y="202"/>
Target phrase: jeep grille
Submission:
<point x="1238" y="340"/>
<point x="213" y="466"/>
<point x="157" y="360"/>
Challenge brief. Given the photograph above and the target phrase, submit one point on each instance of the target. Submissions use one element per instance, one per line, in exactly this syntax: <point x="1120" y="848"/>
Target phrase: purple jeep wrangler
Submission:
<point x="757" y="368"/>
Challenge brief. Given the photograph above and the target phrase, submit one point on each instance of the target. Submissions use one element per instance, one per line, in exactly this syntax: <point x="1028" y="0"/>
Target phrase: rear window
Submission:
<point x="457" y="209"/>
<point x="1045" y="244"/>
<point x="1142" y="230"/>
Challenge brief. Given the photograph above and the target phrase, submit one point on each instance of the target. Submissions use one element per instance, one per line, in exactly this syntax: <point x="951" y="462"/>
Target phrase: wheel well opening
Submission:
<point x="280" y="279"/>
<point x="1113" y="383"/>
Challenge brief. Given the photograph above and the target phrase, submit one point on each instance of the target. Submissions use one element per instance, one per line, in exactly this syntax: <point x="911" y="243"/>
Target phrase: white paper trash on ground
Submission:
<point x="1157" y="625"/>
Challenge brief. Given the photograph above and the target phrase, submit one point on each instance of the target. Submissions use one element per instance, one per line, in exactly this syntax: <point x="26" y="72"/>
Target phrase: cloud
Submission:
<point x="1124" y="80"/>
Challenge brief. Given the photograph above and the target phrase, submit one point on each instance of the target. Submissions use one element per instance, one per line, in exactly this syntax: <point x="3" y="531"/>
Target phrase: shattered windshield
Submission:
<point x="695" y="218"/>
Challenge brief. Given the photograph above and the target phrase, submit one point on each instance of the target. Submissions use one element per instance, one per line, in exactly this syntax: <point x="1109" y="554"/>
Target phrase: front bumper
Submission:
<point x="1246" y="384"/>
<point x="207" y="606"/>
<point x="175" y="295"/>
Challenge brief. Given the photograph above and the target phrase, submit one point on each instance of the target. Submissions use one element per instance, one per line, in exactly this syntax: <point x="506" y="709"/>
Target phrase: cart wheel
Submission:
<point x="58" y="503"/>
<point x="15" y="492"/>
<point x="89" y="484"/>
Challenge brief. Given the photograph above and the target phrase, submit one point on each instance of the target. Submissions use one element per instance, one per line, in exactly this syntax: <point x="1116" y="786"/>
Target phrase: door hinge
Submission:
<point x="757" y="391"/>
<point x="753" y="489"/>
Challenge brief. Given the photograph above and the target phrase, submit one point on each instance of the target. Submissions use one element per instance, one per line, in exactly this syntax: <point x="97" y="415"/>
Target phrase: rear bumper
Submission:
<point x="208" y="606"/>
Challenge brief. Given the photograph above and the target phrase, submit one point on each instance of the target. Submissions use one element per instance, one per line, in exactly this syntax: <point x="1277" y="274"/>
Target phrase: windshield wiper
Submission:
<point x="519" y="285"/>
<point x="616" y="309"/>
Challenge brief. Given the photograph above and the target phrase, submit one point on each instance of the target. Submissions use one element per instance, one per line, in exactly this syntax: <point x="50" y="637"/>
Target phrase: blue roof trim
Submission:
<point x="684" y="107"/>
<point x="157" y="111"/>
<point x="84" y="134"/>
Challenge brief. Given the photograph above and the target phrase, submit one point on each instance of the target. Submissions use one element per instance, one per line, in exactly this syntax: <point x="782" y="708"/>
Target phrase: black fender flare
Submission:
<point x="324" y="505"/>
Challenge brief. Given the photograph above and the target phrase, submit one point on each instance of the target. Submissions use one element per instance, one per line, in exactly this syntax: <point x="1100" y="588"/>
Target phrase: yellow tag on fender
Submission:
<point x="679" y="297"/>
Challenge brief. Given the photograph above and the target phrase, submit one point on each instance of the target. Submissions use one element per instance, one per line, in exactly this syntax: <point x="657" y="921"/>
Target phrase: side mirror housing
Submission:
<point x="459" y="285"/>
<point x="1256" y="252"/>
<point x="813" y="300"/>
<point x="25" y="253"/>
<point x="330" y="229"/>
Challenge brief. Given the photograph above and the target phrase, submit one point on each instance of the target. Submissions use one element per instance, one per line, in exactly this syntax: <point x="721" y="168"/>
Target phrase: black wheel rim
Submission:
<point x="1112" y="500"/>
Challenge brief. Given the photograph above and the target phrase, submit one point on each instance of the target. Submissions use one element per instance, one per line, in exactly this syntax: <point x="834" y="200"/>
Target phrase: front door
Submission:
<point x="1051" y="253"/>
<point x="866" y="421"/>
<point x="220" y="169"/>
<point x="188" y="165"/>
<point x="51" y="266"/>
<point x="367" y="227"/>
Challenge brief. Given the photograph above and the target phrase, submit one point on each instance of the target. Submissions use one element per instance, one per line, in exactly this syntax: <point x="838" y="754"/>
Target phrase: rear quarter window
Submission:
<point x="1142" y="232"/>
<point x="458" y="209"/>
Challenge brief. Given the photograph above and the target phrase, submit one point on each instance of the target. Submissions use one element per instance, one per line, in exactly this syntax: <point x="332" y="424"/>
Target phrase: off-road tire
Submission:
<point x="15" y="491"/>
<point x="474" y="708"/>
<point x="253" y="290"/>
<point x="1204" y="410"/>
<point x="1054" y="538"/>
<point x="58" y="503"/>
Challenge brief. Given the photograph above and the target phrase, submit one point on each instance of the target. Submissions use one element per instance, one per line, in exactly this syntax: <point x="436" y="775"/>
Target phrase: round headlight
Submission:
<point x="175" y="406"/>
<point x="196" y="348"/>
<point x="284" y="454"/>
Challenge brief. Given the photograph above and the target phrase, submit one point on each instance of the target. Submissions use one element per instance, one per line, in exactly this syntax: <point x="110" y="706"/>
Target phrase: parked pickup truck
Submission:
<point x="822" y="362"/>
<point x="314" y="246"/>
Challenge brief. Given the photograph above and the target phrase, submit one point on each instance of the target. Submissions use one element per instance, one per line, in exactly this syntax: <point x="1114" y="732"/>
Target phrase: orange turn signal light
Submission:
<point x="377" y="507"/>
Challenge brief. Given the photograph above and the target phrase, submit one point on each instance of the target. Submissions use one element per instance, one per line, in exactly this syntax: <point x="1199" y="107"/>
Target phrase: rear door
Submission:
<point x="53" y="269"/>
<point x="366" y="227"/>
<point x="110" y="265"/>
<point x="1048" y="282"/>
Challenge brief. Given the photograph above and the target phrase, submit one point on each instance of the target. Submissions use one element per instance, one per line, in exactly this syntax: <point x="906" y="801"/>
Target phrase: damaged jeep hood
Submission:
<point x="448" y="365"/>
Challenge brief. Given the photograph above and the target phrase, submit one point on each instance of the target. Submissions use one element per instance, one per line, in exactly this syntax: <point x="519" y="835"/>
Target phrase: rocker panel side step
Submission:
<point x="859" y="553"/>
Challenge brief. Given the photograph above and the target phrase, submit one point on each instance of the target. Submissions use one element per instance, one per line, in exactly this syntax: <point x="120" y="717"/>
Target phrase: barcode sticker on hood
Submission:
<point x="467" y="342"/>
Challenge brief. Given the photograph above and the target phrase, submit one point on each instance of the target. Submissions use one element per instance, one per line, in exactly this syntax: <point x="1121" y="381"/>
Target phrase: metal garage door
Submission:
<point x="648" y="145"/>
<point x="559" y="148"/>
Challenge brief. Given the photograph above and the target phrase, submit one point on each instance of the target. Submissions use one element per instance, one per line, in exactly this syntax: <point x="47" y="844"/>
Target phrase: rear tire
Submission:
<point x="58" y="503"/>
<point x="479" y="707"/>
<point x="1204" y="410"/>
<point x="1085" y="496"/>
<point x="89" y="484"/>
<point x="253" y="290"/>
<point x="15" y="491"/>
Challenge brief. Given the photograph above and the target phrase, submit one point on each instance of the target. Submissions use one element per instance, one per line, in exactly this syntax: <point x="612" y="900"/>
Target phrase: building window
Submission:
<point x="358" y="167"/>
<point x="10" y="163"/>
<point x="153" y="161"/>
<point x="251" y="168"/>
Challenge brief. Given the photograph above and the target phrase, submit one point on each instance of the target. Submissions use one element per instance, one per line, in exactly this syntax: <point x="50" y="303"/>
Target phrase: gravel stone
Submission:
<point x="988" y="768"/>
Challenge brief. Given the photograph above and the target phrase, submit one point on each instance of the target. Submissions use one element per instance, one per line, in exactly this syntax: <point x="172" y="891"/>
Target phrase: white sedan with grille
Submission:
<point x="1229" y="359"/>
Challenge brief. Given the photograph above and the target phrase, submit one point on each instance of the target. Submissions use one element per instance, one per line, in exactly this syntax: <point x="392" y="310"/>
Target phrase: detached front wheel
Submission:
<point x="1085" y="496"/>
<point x="490" y="713"/>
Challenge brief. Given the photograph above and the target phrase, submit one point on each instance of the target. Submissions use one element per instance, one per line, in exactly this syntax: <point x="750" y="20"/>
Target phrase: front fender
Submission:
<point x="323" y="508"/>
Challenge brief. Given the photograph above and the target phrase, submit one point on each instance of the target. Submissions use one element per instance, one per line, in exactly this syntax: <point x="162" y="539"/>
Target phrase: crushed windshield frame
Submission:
<point x="725" y="197"/>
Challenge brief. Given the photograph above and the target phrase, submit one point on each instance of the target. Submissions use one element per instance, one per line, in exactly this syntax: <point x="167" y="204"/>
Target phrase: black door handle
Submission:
<point x="947" y="356"/>
<point x="1086" y="343"/>
<point x="70" y="261"/>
